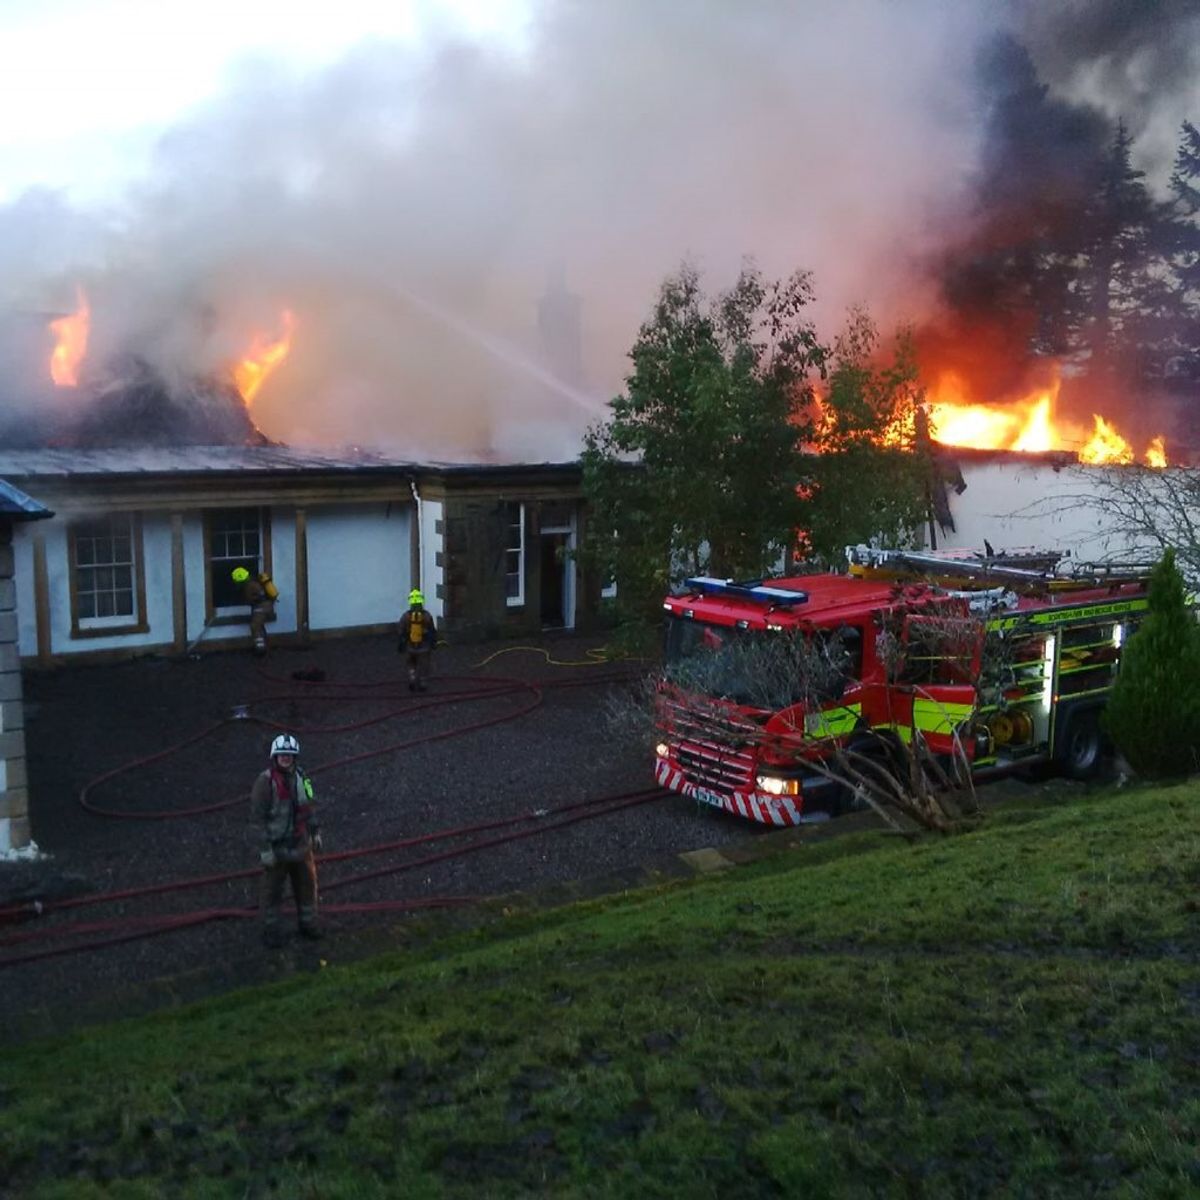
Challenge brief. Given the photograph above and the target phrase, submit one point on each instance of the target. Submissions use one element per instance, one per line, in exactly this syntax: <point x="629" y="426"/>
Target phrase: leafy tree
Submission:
<point x="868" y="477"/>
<point x="696" y="469"/>
<point x="1153" y="713"/>
<point x="718" y="455"/>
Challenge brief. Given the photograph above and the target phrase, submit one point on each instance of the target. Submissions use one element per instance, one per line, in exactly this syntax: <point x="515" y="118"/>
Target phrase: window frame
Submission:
<point x="233" y="614"/>
<point x="124" y="624"/>
<point x="517" y="601"/>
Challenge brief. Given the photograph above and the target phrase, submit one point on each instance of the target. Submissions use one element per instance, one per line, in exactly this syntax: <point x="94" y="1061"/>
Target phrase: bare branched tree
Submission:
<point x="1134" y="513"/>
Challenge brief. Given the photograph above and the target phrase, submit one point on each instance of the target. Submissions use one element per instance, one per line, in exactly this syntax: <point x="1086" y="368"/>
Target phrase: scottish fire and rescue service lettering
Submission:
<point x="1061" y="615"/>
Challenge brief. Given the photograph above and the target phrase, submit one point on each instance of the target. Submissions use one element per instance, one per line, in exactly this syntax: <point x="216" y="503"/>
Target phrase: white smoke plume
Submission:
<point x="410" y="203"/>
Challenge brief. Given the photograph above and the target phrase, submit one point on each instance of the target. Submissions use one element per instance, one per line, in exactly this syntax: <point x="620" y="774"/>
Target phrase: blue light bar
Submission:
<point x="707" y="585"/>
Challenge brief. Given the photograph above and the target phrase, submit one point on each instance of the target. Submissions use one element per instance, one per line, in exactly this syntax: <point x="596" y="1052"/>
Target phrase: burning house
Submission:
<point x="160" y="483"/>
<point x="137" y="557"/>
<point x="1021" y="472"/>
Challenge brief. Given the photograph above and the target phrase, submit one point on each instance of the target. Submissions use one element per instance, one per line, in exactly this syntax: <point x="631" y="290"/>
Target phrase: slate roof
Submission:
<point x="63" y="463"/>
<point x="164" y="460"/>
<point x="17" y="506"/>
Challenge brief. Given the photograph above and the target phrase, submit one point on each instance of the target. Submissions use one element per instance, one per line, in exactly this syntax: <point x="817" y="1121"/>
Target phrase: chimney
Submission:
<point x="559" y="325"/>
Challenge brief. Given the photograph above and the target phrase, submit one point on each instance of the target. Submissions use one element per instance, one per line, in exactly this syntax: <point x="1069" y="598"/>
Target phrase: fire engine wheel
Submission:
<point x="878" y="749"/>
<point x="1083" y="751"/>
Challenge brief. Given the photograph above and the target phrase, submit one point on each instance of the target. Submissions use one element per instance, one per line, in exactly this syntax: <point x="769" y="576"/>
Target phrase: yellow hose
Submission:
<point x="595" y="658"/>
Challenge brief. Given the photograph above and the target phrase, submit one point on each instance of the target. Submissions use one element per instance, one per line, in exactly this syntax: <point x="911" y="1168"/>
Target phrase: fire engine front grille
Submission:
<point x="714" y="767"/>
<point x="715" y="725"/>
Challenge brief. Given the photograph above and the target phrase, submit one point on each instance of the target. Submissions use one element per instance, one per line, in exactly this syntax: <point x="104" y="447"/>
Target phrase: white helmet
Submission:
<point x="285" y="744"/>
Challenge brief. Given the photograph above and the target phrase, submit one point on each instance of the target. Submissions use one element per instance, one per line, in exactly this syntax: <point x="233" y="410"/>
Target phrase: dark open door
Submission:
<point x="553" y="575"/>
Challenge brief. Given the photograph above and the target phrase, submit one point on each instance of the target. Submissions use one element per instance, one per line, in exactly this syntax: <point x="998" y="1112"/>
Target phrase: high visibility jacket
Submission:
<point x="283" y="813"/>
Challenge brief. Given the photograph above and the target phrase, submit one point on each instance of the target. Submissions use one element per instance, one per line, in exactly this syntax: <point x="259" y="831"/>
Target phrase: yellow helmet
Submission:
<point x="415" y="597"/>
<point x="240" y="574"/>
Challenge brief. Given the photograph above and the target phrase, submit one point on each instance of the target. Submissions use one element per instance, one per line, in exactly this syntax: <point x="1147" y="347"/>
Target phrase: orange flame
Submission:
<point x="1029" y="423"/>
<point x="1038" y="432"/>
<point x="70" y="342"/>
<point x="264" y="355"/>
<point x="1105" y="445"/>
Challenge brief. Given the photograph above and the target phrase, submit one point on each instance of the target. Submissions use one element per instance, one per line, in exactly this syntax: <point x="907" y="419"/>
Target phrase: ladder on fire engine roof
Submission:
<point x="1022" y="570"/>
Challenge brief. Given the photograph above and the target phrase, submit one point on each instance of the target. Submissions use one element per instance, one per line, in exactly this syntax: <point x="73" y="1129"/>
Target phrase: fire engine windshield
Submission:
<point x="767" y="669"/>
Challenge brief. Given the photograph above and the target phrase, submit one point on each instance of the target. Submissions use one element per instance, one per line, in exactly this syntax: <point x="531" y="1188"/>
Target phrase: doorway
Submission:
<point x="557" y="598"/>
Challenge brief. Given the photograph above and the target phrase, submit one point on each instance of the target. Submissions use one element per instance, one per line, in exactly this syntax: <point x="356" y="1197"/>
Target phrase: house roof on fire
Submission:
<point x="141" y="461"/>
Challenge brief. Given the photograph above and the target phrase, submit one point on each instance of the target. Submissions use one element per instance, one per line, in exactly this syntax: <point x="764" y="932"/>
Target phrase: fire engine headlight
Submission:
<point x="774" y="786"/>
<point x="662" y="750"/>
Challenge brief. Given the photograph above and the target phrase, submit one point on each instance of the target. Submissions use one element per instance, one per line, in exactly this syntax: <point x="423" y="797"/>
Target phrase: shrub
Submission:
<point x="1153" y="714"/>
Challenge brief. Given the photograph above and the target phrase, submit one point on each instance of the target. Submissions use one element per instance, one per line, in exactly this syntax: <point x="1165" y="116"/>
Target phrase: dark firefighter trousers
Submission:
<point x="303" y="876"/>
<point x="260" y="614"/>
<point x="418" y="666"/>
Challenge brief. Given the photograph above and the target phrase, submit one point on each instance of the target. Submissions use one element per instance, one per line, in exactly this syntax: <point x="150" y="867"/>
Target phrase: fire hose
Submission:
<point x="149" y="926"/>
<point x="131" y="927"/>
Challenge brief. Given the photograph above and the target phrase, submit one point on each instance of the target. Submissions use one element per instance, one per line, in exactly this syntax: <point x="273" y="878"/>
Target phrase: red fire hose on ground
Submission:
<point x="106" y="933"/>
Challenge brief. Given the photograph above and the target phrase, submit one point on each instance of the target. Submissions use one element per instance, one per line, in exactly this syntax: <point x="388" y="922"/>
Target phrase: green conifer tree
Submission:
<point x="1153" y="714"/>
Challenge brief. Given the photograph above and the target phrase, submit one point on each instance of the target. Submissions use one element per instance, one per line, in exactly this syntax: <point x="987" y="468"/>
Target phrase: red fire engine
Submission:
<point x="1005" y="660"/>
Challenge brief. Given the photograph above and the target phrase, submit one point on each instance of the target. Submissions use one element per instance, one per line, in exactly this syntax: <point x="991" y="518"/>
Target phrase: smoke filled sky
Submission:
<point x="408" y="180"/>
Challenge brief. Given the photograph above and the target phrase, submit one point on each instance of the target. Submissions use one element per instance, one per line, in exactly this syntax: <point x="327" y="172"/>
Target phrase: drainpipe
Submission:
<point x="418" y="526"/>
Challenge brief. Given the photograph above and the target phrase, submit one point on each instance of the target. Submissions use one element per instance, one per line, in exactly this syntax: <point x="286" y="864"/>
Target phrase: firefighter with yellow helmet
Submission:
<point x="260" y="592"/>
<point x="418" y="637"/>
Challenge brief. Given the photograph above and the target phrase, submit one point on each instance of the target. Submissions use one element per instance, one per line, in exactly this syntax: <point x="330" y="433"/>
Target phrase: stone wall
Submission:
<point x="14" y="794"/>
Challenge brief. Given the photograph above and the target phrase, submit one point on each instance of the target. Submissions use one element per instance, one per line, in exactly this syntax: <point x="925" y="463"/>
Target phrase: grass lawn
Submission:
<point x="1010" y="1012"/>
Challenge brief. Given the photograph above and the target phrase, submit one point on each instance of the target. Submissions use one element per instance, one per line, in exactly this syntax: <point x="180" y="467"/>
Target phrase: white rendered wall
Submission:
<point x="359" y="564"/>
<point x="359" y="573"/>
<point x="156" y="552"/>
<point x="1021" y="504"/>
<point x="432" y="543"/>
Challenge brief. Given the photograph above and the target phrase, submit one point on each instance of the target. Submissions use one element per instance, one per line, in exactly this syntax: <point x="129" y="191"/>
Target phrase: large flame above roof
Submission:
<point x="266" y="352"/>
<point x="1030" y="422"/>
<point x="70" y="342"/>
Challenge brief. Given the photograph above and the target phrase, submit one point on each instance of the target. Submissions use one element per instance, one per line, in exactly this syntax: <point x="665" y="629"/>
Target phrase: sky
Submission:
<point x="414" y="180"/>
<point x="90" y="85"/>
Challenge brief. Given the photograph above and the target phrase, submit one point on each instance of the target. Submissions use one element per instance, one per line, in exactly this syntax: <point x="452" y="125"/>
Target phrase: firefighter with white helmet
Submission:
<point x="285" y="828"/>
<point x="417" y="638"/>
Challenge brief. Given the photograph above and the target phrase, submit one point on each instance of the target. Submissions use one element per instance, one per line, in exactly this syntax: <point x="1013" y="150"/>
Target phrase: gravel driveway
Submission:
<point x="84" y="722"/>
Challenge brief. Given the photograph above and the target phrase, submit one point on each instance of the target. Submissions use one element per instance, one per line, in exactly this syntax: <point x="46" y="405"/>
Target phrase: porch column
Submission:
<point x="41" y="599"/>
<point x="302" y="574"/>
<point x="14" y="792"/>
<point x="178" y="586"/>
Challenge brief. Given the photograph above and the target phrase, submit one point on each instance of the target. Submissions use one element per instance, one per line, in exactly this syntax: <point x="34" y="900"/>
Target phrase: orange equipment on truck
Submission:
<point x="1005" y="660"/>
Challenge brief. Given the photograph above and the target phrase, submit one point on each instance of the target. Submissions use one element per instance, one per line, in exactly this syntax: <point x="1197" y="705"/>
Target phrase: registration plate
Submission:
<point x="707" y="797"/>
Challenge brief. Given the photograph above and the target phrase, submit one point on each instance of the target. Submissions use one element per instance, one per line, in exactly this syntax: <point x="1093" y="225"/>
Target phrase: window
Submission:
<point x="108" y="590"/>
<point x="514" y="554"/>
<point x="940" y="650"/>
<point x="236" y="538"/>
<point x="557" y="516"/>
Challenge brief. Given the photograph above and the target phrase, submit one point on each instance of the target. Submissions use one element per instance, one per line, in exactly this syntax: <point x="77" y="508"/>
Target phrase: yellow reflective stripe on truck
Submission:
<point x="939" y="716"/>
<point x="833" y="721"/>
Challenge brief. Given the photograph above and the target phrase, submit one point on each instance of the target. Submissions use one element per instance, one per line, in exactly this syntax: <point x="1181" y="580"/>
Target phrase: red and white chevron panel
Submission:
<point x="754" y="806"/>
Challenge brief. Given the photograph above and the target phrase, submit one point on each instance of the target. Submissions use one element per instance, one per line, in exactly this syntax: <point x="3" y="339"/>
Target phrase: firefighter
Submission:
<point x="285" y="828"/>
<point x="260" y="592"/>
<point x="418" y="636"/>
